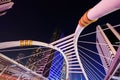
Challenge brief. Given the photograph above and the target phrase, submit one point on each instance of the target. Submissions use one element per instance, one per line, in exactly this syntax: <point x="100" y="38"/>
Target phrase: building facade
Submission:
<point x="106" y="38"/>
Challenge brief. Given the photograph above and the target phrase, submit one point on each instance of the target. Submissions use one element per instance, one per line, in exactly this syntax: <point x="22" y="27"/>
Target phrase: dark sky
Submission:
<point x="37" y="19"/>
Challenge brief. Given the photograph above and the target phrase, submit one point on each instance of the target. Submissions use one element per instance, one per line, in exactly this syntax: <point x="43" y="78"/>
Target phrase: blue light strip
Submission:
<point x="56" y="67"/>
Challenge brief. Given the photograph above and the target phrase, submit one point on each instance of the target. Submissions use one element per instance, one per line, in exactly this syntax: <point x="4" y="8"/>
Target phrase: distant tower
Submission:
<point x="55" y="36"/>
<point x="107" y="46"/>
<point x="58" y="67"/>
<point x="42" y="57"/>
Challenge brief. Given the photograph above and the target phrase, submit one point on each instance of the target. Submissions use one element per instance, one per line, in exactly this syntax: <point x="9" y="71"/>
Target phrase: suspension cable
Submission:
<point x="94" y="52"/>
<point x="93" y="66"/>
<point x="97" y="31"/>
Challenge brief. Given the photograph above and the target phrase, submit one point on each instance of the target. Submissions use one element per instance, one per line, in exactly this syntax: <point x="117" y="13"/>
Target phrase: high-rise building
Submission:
<point x="106" y="38"/>
<point x="43" y="60"/>
<point x="57" y="63"/>
<point x="55" y="36"/>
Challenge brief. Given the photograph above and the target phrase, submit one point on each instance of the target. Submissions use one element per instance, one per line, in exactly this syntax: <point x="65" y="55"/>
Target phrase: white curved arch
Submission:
<point x="10" y="44"/>
<point x="78" y="31"/>
<point x="91" y="16"/>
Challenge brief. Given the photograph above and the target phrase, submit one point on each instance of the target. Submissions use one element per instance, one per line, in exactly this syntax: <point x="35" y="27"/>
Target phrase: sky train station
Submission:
<point x="92" y="55"/>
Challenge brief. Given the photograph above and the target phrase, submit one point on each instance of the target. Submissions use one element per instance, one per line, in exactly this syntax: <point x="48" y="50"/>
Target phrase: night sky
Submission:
<point x="37" y="19"/>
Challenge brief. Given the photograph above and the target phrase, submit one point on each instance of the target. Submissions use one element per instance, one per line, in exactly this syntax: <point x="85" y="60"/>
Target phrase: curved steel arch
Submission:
<point x="10" y="44"/>
<point x="77" y="33"/>
<point x="58" y="45"/>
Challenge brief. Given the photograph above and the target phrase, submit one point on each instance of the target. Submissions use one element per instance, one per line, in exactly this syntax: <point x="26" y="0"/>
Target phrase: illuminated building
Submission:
<point x="57" y="63"/>
<point x="44" y="59"/>
<point x="107" y="37"/>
